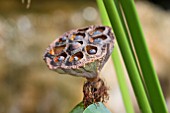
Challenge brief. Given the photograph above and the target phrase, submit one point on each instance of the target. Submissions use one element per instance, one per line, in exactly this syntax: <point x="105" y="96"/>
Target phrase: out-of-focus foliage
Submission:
<point x="26" y="84"/>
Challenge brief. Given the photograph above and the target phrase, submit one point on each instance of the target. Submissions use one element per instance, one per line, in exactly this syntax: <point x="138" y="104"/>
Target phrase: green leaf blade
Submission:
<point x="96" y="108"/>
<point x="78" y="108"/>
<point x="157" y="100"/>
<point x="117" y="62"/>
<point x="127" y="56"/>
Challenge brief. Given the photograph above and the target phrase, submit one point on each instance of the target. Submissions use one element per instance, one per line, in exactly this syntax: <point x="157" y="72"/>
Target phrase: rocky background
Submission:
<point x="26" y="84"/>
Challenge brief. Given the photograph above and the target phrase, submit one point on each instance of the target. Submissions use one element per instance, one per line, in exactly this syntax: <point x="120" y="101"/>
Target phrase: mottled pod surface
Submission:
<point x="80" y="52"/>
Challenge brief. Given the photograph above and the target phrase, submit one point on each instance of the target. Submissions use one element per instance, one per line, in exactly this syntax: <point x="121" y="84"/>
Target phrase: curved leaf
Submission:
<point x="78" y="108"/>
<point x="96" y="108"/>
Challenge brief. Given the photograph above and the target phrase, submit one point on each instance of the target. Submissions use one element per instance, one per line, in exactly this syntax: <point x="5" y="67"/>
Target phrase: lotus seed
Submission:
<point x="92" y="51"/>
<point x="75" y="45"/>
<point x="64" y="39"/>
<point x="60" y="58"/>
<point x="76" y="58"/>
<point x="97" y="40"/>
<point x="96" y="33"/>
<point x="78" y="37"/>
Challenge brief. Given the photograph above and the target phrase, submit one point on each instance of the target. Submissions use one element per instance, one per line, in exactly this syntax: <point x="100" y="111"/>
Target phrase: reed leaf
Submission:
<point x="117" y="62"/>
<point x="156" y="97"/>
<point x="127" y="56"/>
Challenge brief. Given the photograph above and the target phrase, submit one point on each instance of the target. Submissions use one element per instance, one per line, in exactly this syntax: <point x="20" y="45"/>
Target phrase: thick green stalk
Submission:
<point x="121" y="15"/>
<point x="127" y="56"/>
<point x="122" y="20"/>
<point x="152" y="83"/>
<point x="126" y="30"/>
<point x="117" y="63"/>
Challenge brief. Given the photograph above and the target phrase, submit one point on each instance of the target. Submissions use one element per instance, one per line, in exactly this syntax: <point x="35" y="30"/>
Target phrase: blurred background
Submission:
<point x="26" y="84"/>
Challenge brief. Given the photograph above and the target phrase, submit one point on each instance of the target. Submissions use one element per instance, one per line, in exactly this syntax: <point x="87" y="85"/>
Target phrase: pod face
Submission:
<point x="80" y="52"/>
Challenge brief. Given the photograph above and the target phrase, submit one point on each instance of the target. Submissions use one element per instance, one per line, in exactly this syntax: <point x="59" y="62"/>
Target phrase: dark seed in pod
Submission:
<point x="60" y="58"/>
<point x="97" y="32"/>
<point x="49" y="55"/>
<point x="75" y="45"/>
<point x="53" y="63"/>
<point x="76" y="58"/>
<point x="92" y="51"/>
<point x="97" y="40"/>
<point x="78" y="37"/>
<point x="57" y="43"/>
<point x="64" y="39"/>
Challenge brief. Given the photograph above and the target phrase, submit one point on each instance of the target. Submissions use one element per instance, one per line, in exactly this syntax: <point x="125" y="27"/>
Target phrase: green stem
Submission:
<point x="126" y="31"/>
<point x="121" y="15"/>
<point x="122" y="20"/>
<point x="150" y="77"/>
<point x="127" y="56"/>
<point x="117" y="63"/>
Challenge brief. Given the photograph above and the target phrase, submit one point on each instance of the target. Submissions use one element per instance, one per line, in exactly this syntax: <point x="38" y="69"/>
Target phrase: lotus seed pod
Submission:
<point x="81" y="52"/>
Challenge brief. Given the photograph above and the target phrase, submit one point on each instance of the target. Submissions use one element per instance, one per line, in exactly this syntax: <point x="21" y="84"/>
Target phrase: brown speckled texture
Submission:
<point x="80" y="52"/>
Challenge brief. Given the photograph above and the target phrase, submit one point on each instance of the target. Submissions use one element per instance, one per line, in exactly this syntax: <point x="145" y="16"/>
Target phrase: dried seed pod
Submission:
<point x="81" y="52"/>
<point x="95" y="91"/>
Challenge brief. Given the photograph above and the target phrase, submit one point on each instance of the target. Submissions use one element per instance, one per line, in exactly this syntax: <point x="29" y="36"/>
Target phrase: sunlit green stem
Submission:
<point x="117" y="63"/>
<point x="127" y="56"/>
<point x="150" y="77"/>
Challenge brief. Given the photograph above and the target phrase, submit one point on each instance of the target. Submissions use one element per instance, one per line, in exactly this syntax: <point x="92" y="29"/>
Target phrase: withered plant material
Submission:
<point x="94" y="91"/>
<point x="81" y="52"/>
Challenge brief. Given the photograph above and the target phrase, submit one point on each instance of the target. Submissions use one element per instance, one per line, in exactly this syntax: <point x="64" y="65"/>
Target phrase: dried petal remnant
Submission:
<point x="94" y="91"/>
<point x="86" y="50"/>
